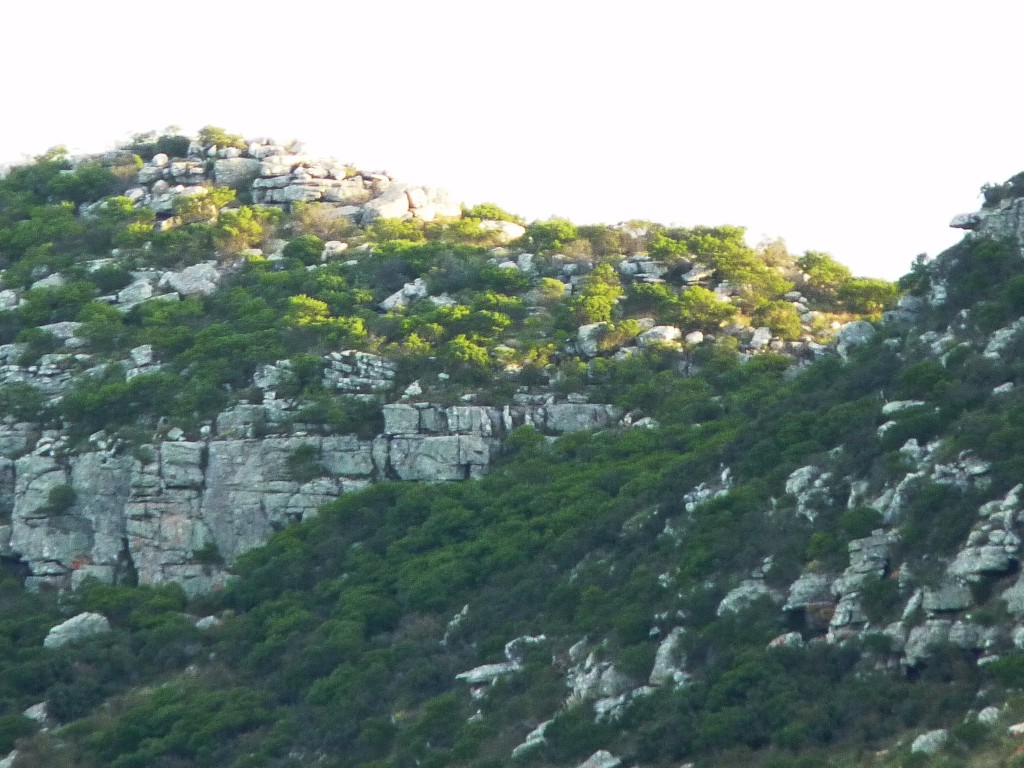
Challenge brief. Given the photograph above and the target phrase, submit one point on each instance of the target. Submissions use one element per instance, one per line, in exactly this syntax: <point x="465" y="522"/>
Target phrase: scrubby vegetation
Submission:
<point x="338" y="643"/>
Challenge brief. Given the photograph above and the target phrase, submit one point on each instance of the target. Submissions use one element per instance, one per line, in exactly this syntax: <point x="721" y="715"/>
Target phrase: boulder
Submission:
<point x="236" y="172"/>
<point x="930" y="743"/>
<point x="853" y="335"/>
<point x="951" y="595"/>
<point x="601" y="759"/>
<point x="989" y="715"/>
<point x="504" y="231"/>
<point x="746" y="594"/>
<point x="197" y="280"/>
<point x="809" y="589"/>
<point x="405" y="295"/>
<point x="588" y="337"/>
<point x="575" y="417"/>
<point x="487" y="673"/>
<point x="392" y="204"/>
<point x="80" y="627"/>
<point x="669" y="662"/>
<point x="534" y="738"/>
<point x="659" y="334"/>
<point x="762" y="338"/>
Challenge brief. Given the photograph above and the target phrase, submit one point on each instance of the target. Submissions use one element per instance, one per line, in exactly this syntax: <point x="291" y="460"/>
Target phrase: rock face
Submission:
<point x="181" y="511"/>
<point x="82" y="626"/>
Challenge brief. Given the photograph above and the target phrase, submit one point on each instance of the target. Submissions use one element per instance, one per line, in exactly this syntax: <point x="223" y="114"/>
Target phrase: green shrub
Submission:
<point x="781" y="317"/>
<point x="22" y="401"/>
<point x="305" y="248"/>
<point x="859" y="522"/>
<point x="304" y="464"/>
<point x="60" y="499"/>
<point x="37" y="343"/>
<point x="492" y="212"/>
<point x="211" y="135"/>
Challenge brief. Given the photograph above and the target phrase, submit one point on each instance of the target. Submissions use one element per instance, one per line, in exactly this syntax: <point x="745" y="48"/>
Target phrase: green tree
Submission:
<point x="825" y="275"/>
<point x="868" y="296"/>
<point x="552" y="234"/>
<point x="598" y="293"/>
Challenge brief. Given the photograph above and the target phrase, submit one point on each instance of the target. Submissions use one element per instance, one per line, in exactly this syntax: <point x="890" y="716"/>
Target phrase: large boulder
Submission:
<point x="931" y="742"/>
<point x="392" y="204"/>
<point x="853" y="335"/>
<point x="197" y="280"/>
<point x="236" y="172"/>
<point x="588" y="338"/>
<point x="80" y="627"/>
<point x="659" y="334"/>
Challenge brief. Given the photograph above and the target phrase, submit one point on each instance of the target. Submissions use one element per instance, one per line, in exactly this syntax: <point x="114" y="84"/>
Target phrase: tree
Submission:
<point x="866" y="295"/>
<point x="204" y="206"/>
<point x="211" y="135"/>
<point x="700" y="308"/>
<point x="598" y="293"/>
<point x="551" y="234"/>
<point x="825" y="275"/>
<point x="781" y="317"/>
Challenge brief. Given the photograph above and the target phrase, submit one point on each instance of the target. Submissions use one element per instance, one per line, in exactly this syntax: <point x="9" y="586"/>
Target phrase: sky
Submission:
<point x="858" y="129"/>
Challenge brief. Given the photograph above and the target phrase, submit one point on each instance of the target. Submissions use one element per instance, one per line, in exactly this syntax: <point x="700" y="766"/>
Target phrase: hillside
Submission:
<point x="715" y="505"/>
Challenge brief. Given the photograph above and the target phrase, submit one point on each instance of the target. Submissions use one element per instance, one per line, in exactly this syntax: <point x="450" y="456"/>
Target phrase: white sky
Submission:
<point x="854" y="128"/>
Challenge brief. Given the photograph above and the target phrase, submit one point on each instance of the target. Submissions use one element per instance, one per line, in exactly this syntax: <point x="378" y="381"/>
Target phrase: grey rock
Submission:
<point x="809" y="589"/>
<point x="450" y="457"/>
<point x="504" y="231"/>
<point x="1001" y="338"/>
<point x="80" y="627"/>
<point x="659" y="334"/>
<point x="576" y="417"/>
<point x="810" y="487"/>
<point x="989" y="715"/>
<point x="208" y="622"/>
<point x="594" y="680"/>
<point x="37" y="712"/>
<point x="966" y="220"/>
<point x="488" y="673"/>
<point x="601" y="759"/>
<point x="392" y="204"/>
<point x="746" y="594"/>
<point x="853" y="335"/>
<point x="236" y="172"/>
<point x="197" y="280"/>
<point x="972" y="562"/>
<point x="931" y="742"/>
<point x="533" y="739"/>
<point x="761" y="338"/>
<point x="404" y="296"/>
<point x="588" y="337"/>
<point x="922" y="639"/>
<point x="401" y="419"/>
<point x="788" y="640"/>
<point x="951" y="595"/>
<point x="669" y="662"/>
<point x="55" y="280"/>
<point x="142" y="355"/>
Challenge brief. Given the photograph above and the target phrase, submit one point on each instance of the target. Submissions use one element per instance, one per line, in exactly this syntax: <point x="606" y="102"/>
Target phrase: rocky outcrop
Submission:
<point x="182" y="511"/>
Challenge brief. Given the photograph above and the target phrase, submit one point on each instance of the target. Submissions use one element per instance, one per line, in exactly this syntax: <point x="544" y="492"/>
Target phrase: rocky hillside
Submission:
<point x="700" y="483"/>
<point x="150" y="294"/>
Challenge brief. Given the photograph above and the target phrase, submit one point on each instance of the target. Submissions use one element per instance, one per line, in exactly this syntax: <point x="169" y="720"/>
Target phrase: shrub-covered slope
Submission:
<point x="810" y="555"/>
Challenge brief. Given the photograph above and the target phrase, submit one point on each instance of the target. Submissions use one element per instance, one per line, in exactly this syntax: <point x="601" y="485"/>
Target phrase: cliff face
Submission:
<point x="180" y="511"/>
